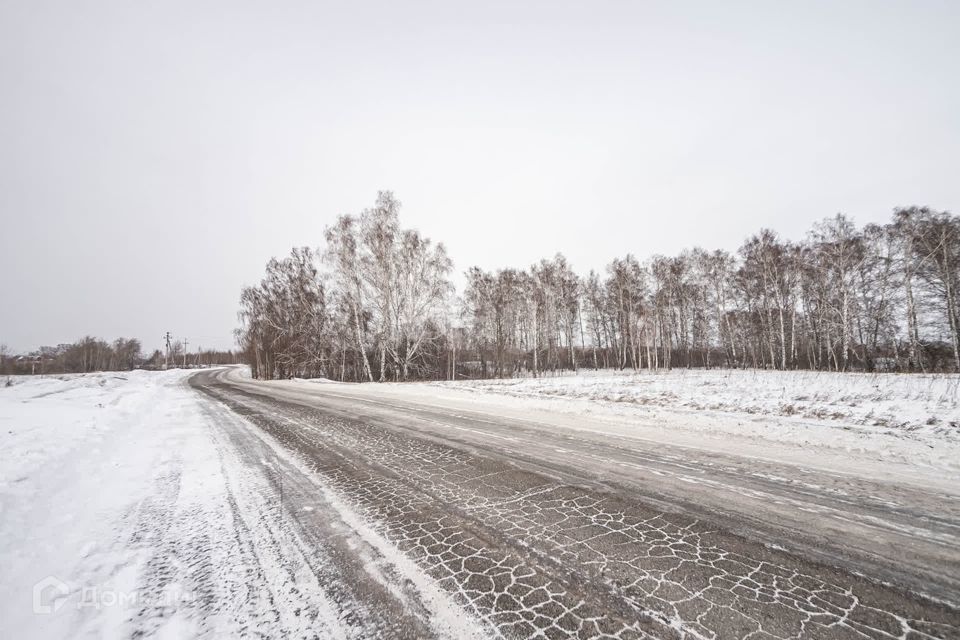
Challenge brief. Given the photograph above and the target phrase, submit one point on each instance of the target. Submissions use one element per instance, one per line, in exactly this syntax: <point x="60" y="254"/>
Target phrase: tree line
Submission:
<point x="376" y="303"/>
<point x="85" y="355"/>
<point x="90" y="354"/>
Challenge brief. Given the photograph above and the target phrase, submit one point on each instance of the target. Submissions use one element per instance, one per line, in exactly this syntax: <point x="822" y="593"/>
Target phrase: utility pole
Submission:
<point x="166" y="357"/>
<point x="185" y="343"/>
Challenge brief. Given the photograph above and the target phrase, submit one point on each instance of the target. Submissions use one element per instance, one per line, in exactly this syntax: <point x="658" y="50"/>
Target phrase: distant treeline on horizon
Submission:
<point x="376" y="303"/>
<point x="93" y="354"/>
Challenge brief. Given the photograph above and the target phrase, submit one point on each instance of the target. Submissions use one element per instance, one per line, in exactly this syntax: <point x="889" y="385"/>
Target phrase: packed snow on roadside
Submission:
<point x="114" y="519"/>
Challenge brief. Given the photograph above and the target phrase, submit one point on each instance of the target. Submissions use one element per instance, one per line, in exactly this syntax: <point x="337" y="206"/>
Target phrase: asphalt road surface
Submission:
<point x="537" y="530"/>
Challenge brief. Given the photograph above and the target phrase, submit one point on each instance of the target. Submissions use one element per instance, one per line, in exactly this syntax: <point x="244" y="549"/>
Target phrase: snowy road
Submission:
<point x="136" y="506"/>
<point x="538" y="528"/>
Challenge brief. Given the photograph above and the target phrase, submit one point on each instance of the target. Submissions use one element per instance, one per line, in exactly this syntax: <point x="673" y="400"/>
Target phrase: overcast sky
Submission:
<point x="154" y="155"/>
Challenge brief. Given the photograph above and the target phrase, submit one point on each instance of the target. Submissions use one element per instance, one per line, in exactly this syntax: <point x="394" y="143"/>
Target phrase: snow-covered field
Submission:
<point x="911" y="403"/>
<point x="83" y="458"/>
<point x="913" y="419"/>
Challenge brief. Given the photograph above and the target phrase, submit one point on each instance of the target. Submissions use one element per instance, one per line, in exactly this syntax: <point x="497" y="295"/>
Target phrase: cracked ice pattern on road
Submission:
<point x="534" y="557"/>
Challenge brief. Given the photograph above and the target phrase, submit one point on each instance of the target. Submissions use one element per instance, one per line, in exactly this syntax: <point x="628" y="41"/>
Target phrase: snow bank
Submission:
<point x="43" y="419"/>
<point x="922" y="404"/>
<point x="831" y="420"/>
<point x="82" y="453"/>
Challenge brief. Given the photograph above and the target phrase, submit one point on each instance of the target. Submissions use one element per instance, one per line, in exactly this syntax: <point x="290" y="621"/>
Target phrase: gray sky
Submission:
<point x="154" y="155"/>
